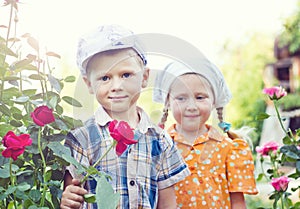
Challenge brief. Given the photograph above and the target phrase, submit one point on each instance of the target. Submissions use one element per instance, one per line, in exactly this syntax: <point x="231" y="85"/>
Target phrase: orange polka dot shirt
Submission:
<point x="218" y="165"/>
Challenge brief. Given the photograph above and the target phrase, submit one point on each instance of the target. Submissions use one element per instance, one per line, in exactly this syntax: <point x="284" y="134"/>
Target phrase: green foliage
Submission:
<point x="290" y="102"/>
<point x="278" y="157"/>
<point x="291" y="31"/>
<point x="243" y="68"/>
<point x="26" y="81"/>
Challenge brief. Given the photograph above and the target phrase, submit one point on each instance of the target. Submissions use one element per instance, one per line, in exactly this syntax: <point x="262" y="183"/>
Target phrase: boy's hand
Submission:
<point x="72" y="197"/>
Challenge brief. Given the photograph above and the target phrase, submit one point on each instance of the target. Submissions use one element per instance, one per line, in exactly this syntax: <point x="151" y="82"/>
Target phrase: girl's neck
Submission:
<point x="191" y="135"/>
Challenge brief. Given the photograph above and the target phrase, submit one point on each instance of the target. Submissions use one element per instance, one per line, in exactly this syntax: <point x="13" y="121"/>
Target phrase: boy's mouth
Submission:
<point x="116" y="98"/>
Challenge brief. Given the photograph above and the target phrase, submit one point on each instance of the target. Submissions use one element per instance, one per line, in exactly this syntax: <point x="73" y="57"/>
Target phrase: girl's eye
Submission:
<point x="126" y="75"/>
<point x="180" y="98"/>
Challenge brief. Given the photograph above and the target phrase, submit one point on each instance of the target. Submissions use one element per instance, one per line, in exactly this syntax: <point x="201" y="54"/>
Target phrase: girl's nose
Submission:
<point x="191" y="105"/>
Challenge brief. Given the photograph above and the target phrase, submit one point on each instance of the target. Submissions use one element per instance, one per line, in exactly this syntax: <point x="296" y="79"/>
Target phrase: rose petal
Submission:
<point x="120" y="148"/>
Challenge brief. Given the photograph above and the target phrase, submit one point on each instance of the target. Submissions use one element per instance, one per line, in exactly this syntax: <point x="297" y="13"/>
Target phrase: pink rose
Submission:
<point x="267" y="147"/>
<point x="122" y="133"/>
<point x="15" y="145"/>
<point x="42" y="115"/>
<point x="280" y="183"/>
<point x="275" y="92"/>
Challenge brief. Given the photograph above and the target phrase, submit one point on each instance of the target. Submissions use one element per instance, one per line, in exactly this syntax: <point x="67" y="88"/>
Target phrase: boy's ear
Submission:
<point x="145" y="77"/>
<point x="88" y="83"/>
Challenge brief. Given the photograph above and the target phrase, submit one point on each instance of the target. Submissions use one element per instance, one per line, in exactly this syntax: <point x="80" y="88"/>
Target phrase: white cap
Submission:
<point x="105" y="38"/>
<point x="201" y="66"/>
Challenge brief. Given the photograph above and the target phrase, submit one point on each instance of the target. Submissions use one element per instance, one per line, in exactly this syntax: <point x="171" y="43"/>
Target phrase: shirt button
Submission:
<point x="132" y="183"/>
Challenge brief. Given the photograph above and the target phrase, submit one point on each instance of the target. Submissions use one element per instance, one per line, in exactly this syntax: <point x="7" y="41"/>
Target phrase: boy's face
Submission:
<point x="191" y="102"/>
<point x="116" y="78"/>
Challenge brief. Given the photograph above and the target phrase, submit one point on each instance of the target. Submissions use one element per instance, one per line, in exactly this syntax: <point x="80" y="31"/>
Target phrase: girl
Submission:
<point x="222" y="168"/>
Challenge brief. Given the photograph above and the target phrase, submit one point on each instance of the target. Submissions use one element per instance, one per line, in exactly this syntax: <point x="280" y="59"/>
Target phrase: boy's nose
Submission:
<point x="116" y="84"/>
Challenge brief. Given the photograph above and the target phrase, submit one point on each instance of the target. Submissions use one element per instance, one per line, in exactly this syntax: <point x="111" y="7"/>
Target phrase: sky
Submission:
<point x="206" y="24"/>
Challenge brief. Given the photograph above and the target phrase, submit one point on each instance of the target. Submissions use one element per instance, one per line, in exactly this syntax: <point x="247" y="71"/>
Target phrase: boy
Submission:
<point x="114" y="69"/>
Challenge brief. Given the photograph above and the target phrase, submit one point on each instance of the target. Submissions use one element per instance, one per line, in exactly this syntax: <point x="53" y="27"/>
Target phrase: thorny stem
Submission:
<point x="12" y="180"/>
<point x="44" y="168"/>
<point x="288" y="133"/>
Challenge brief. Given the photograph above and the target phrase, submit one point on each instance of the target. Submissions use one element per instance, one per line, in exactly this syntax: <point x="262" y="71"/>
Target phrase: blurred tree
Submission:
<point x="290" y="35"/>
<point x="243" y="67"/>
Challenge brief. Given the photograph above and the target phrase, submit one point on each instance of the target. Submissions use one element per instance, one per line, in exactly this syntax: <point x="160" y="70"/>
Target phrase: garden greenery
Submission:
<point x="279" y="156"/>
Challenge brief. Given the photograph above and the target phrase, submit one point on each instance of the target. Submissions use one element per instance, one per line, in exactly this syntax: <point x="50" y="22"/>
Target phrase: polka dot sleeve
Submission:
<point x="240" y="168"/>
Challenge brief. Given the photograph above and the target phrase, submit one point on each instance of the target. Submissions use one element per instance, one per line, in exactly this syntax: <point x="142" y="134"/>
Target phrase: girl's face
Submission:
<point x="191" y="102"/>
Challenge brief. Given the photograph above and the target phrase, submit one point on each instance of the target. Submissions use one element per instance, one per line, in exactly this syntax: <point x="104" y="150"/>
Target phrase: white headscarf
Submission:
<point x="201" y="66"/>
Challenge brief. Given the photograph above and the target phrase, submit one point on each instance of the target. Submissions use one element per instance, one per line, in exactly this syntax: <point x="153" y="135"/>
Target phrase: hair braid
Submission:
<point x="164" y="117"/>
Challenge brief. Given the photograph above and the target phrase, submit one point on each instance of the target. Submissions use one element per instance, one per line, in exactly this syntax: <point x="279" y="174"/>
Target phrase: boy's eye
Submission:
<point x="104" y="78"/>
<point x="126" y="75"/>
<point x="200" y="97"/>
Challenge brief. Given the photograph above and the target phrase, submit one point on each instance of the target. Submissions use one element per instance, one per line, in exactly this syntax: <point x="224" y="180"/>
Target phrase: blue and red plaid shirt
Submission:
<point x="152" y="164"/>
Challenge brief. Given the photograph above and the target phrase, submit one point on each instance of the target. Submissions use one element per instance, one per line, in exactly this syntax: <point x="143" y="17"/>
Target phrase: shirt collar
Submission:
<point x="212" y="133"/>
<point x="102" y="118"/>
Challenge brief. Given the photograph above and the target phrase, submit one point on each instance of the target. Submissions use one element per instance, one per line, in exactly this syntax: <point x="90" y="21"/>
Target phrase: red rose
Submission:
<point x="15" y="145"/>
<point x="122" y="133"/>
<point x="42" y="115"/>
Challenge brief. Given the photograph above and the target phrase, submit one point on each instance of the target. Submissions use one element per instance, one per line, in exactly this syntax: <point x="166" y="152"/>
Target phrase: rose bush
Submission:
<point x="33" y="124"/>
<point x="278" y="156"/>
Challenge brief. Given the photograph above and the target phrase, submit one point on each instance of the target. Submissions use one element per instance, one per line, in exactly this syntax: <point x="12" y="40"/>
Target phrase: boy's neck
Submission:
<point x="131" y="117"/>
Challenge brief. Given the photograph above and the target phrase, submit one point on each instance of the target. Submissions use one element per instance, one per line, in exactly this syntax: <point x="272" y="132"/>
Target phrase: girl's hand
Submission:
<point x="72" y="197"/>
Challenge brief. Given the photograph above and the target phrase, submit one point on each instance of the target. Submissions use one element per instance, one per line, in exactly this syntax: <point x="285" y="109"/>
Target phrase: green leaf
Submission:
<point x="21" y="99"/>
<point x="20" y="64"/>
<point x="33" y="43"/>
<point x="55" y="83"/>
<point x="65" y="153"/>
<point x="53" y="54"/>
<point x="29" y="92"/>
<point x="89" y="198"/>
<point x="11" y="78"/>
<point x="71" y="101"/>
<point x="23" y="186"/>
<point x="5" y="110"/>
<point x="36" y="77"/>
<point x="5" y="50"/>
<point x="17" y="116"/>
<point x="35" y="195"/>
<point x="298" y="165"/>
<point x="92" y="170"/>
<point x="262" y="116"/>
<point x="15" y="123"/>
<point x="260" y="176"/>
<point x="287" y="140"/>
<point x="70" y="79"/>
<point x="53" y="102"/>
<point x="106" y="197"/>
<point x="4" y="173"/>
<point x="59" y="109"/>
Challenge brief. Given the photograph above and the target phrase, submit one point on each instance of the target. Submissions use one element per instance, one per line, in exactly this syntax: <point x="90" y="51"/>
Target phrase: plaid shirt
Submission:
<point x="144" y="168"/>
